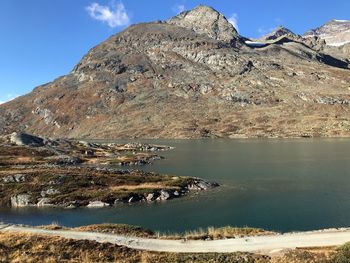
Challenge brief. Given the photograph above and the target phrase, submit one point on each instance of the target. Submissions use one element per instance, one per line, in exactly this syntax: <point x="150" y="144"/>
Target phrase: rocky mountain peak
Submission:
<point x="192" y="77"/>
<point x="206" y="20"/>
<point x="278" y="32"/>
<point x="335" y="32"/>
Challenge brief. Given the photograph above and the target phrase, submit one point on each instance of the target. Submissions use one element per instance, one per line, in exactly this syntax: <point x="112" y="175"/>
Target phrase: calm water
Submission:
<point x="273" y="184"/>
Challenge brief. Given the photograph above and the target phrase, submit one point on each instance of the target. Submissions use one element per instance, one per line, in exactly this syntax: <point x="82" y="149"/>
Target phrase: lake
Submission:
<point x="275" y="184"/>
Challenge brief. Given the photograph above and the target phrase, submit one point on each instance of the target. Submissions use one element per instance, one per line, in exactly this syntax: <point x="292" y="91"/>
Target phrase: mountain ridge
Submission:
<point x="335" y="32"/>
<point x="175" y="80"/>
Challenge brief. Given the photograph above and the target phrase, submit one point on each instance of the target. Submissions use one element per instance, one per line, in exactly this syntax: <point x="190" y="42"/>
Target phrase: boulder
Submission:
<point x="71" y="205"/>
<point x="97" y="204"/>
<point x="150" y="197"/>
<point x="134" y="198"/>
<point x="21" y="200"/>
<point x="22" y="139"/>
<point x="44" y="202"/>
<point x="8" y="179"/>
<point x="50" y="191"/>
<point x="19" y="178"/>
<point x="164" y="195"/>
<point x="14" y="178"/>
<point x="199" y="185"/>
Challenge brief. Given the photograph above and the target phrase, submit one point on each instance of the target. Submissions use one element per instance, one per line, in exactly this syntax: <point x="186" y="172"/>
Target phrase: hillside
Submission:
<point x="191" y="76"/>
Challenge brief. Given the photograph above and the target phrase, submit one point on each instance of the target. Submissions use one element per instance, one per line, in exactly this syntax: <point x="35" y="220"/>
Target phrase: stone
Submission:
<point x="97" y="204"/>
<point x="164" y="195"/>
<point x="21" y="200"/>
<point x="17" y="178"/>
<point x="44" y="202"/>
<point x="8" y="179"/>
<point x="22" y="139"/>
<point x="117" y="201"/>
<point x="50" y="191"/>
<point x="150" y="197"/>
<point x="199" y="185"/>
<point x="89" y="153"/>
<point x="72" y="205"/>
<point x="134" y="198"/>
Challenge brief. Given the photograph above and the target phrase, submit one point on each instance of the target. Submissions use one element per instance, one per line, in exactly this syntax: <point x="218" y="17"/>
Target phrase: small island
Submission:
<point x="36" y="171"/>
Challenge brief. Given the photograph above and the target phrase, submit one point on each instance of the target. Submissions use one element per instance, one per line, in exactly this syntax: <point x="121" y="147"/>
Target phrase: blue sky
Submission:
<point x="42" y="39"/>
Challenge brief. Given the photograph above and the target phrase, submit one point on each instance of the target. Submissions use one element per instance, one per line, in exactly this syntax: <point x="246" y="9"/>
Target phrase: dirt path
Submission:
<point x="266" y="244"/>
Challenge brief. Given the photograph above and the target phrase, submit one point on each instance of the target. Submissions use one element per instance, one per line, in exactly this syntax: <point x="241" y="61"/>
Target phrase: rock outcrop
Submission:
<point x="205" y="20"/>
<point x="21" y="139"/>
<point x="21" y="200"/>
<point x="97" y="204"/>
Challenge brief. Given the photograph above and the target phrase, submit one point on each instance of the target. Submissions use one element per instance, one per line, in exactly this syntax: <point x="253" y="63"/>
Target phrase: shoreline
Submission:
<point x="38" y="171"/>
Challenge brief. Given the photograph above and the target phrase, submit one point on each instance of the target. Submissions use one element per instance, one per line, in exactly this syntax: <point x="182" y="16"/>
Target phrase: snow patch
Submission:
<point x="341" y="21"/>
<point x="255" y="44"/>
<point x="338" y="44"/>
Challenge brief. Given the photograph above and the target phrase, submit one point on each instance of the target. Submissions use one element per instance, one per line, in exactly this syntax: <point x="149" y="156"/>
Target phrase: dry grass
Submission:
<point x="307" y="255"/>
<point x="152" y="186"/>
<point x="53" y="226"/>
<point x="35" y="248"/>
<point x="15" y="247"/>
<point x="118" y="229"/>
<point x="84" y="184"/>
<point x="226" y="232"/>
<point x="214" y="233"/>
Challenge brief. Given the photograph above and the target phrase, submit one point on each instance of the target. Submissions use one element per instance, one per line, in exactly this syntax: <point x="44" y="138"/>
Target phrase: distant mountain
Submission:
<point x="192" y="76"/>
<point x="335" y="32"/>
<point x="279" y="32"/>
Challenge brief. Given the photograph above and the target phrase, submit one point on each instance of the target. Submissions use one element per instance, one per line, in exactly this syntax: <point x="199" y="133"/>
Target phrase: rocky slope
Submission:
<point x="190" y="77"/>
<point x="334" y="32"/>
<point x="279" y="32"/>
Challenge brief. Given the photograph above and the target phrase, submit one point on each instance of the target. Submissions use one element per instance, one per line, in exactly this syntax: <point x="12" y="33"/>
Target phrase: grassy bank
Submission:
<point x="209" y="233"/>
<point x="36" y="248"/>
<point x="19" y="247"/>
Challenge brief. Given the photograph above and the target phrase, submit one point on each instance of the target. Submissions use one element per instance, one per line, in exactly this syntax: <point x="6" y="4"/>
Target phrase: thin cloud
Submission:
<point x="8" y="98"/>
<point x="264" y="31"/>
<point x="114" y="15"/>
<point x="179" y="8"/>
<point x="234" y="21"/>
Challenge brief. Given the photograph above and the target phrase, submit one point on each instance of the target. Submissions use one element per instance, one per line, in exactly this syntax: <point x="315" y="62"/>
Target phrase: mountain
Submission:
<point x="335" y="32"/>
<point x="279" y="32"/>
<point x="206" y="20"/>
<point x="191" y="76"/>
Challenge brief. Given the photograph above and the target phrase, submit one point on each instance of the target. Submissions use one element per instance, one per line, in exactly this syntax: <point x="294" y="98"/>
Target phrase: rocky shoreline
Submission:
<point x="42" y="172"/>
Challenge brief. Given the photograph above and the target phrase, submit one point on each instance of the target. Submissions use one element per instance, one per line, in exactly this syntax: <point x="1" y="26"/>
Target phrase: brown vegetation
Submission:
<point x="16" y="247"/>
<point x="74" y="173"/>
<point x="36" y="248"/>
<point x="80" y="185"/>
